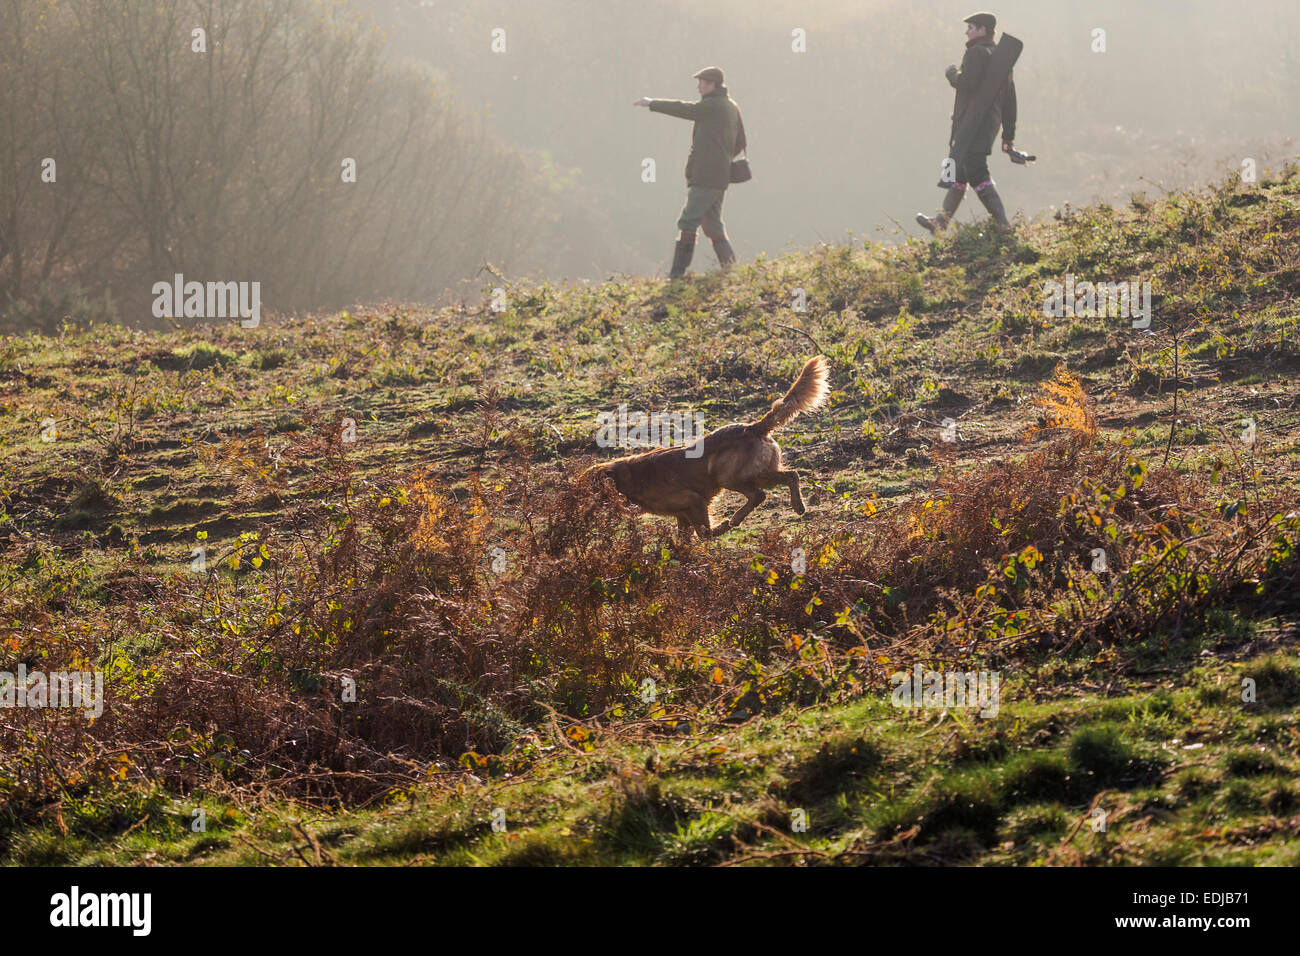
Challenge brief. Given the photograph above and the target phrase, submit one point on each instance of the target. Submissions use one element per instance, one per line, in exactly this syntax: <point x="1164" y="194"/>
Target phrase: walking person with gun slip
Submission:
<point x="985" y="101"/>
<point x="717" y="142"/>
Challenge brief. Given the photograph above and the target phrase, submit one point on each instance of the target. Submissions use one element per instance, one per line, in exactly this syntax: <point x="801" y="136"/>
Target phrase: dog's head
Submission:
<point x="616" y="471"/>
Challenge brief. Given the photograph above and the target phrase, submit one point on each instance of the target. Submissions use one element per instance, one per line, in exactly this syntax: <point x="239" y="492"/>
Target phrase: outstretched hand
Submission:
<point x="643" y="101"/>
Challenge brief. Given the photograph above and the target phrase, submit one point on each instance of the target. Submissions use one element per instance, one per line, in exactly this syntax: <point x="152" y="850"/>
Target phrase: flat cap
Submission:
<point x="711" y="73"/>
<point x="986" y="20"/>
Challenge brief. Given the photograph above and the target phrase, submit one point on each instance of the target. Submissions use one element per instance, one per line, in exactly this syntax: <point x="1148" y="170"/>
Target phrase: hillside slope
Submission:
<point x="350" y="599"/>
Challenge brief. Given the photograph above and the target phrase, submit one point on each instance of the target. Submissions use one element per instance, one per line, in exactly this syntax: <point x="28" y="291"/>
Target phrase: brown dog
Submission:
<point x="682" y="482"/>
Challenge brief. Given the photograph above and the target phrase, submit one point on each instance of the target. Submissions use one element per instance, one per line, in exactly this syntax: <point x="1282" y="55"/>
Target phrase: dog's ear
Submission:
<point x="598" y="474"/>
<point x="620" y="473"/>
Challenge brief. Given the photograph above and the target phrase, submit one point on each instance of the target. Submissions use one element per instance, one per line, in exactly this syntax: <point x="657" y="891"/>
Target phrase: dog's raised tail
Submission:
<point x="809" y="391"/>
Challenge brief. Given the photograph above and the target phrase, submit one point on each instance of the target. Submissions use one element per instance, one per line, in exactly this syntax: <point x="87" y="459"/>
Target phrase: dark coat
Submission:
<point x="966" y="81"/>
<point x="717" y="139"/>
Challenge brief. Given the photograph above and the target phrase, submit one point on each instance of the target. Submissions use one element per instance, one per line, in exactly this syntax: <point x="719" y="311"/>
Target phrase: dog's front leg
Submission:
<point x="698" y="517"/>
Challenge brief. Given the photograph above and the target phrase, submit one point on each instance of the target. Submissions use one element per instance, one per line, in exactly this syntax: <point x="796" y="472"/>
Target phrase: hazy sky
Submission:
<point x="848" y="135"/>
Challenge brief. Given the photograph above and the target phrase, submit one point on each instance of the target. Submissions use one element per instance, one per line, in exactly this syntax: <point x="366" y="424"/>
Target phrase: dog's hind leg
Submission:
<point x="755" y="495"/>
<point x="790" y="478"/>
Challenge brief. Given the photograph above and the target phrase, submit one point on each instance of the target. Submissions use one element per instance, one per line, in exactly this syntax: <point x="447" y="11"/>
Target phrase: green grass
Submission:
<point x="1186" y="774"/>
<point x="1155" y="733"/>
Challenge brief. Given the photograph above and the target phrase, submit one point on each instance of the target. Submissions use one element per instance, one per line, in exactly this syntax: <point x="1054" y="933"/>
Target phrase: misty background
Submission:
<point x="225" y="165"/>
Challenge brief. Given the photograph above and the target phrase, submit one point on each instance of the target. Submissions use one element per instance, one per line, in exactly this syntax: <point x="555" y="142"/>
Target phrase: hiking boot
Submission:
<point x="940" y="221"/>
<point x="993" y="203"/>
<point x="726" y="255"/>
<point x="936" y="224"/>
<point x="681" y="259"/>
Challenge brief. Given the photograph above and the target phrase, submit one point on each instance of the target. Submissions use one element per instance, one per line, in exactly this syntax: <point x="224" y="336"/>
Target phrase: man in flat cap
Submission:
<point x="973" y="165"/>
<point x="717" y="139"/>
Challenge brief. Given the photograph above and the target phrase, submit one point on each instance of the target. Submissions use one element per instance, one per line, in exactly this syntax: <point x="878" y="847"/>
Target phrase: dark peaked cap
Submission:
<point x="986" y="20"/>
<point x="711" y="73"/>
